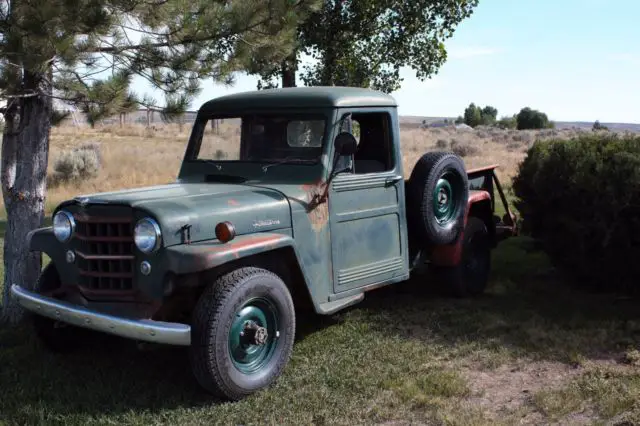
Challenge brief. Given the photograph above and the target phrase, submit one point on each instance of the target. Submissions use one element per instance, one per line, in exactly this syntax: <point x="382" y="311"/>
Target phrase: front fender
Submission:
<point x="41" y="239"/>
<point x="201" y="256"/>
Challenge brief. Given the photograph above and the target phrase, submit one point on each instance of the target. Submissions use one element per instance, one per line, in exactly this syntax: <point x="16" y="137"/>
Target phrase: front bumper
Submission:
<point x="143" y="330"/>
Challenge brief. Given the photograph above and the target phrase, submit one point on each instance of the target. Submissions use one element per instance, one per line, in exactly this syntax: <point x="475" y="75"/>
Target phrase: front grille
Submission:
<point x="105" y="252"/>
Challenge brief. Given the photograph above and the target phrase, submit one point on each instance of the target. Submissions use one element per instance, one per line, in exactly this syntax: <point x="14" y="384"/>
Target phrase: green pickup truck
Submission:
<point x="304" y="207"/>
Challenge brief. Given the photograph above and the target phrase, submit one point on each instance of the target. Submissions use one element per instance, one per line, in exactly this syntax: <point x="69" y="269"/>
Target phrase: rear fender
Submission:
<point x="479" y="205"/>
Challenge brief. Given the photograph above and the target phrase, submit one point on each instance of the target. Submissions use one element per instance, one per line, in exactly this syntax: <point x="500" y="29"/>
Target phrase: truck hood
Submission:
<point x="202" y="206"/>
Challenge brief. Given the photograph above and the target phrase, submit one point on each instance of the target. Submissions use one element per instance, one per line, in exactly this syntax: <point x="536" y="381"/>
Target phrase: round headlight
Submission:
<point x="147" y="235"/>
<point x="63" y="225"/>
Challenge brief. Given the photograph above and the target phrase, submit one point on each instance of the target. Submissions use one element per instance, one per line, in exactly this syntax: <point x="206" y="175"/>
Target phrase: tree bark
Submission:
<point x="288" y="75"/>
<point x="288" y="78"/>
<point x="25" y="153"/>
<point x="288" y="69"/>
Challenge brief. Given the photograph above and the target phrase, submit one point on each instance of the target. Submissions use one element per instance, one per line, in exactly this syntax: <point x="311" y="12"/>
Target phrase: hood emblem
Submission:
<point x="83" y="201"/>
<point x="268" y="222"/>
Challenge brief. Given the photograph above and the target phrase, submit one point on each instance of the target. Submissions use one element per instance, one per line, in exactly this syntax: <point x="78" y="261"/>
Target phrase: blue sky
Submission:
<point x="576" y="60"/>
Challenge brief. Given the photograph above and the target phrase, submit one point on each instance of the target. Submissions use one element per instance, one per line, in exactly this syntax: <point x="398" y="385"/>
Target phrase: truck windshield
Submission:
<point x="263" y="138"/>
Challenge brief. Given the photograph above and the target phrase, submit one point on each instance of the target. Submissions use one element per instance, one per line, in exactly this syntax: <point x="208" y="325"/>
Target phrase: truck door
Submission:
<point x="366" y="207"/>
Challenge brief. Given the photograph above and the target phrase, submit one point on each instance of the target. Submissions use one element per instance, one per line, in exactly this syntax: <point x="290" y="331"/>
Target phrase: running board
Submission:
<point x="328" y="308"/>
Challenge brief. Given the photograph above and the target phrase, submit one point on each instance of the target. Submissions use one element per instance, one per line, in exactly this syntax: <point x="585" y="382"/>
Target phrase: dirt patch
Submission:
<point x="507" y="390"/>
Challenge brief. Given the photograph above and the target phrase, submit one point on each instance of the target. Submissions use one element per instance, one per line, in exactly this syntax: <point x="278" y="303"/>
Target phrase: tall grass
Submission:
<point x="135" y="156"/>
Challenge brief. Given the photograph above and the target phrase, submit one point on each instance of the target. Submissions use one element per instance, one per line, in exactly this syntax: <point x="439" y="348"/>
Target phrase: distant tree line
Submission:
<point x="527" y="118"/>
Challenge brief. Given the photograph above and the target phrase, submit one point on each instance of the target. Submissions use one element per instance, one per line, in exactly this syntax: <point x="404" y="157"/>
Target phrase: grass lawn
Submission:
<point x="530" y="351"/>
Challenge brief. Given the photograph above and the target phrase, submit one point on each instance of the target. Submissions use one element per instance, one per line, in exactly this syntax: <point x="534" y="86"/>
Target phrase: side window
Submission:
<point x="375" y="144"/>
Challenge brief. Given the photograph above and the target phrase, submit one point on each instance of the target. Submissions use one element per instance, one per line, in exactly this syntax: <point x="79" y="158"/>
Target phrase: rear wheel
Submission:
<point x="242" y="333"/>
<point x="470" y="277"/>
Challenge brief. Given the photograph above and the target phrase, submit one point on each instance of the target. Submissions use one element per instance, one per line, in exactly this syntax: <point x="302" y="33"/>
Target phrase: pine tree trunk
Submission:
<point x="288" y="78"/>
<point x="288" y="68"/>
<point x="25" y="152"/>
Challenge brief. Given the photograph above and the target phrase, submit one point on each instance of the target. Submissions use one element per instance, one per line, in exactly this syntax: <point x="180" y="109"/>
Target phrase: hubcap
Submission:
<point x="444" y="204"/>
<point x="253" y="335"/>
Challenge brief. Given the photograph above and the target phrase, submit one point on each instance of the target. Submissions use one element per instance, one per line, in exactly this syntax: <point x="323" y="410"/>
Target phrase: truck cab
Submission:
<point x="305" y="206"/>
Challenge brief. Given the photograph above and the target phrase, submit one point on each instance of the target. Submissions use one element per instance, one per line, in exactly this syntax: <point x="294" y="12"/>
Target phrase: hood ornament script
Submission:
<point x="267" y="222"/>
<point x="83" y="201"/>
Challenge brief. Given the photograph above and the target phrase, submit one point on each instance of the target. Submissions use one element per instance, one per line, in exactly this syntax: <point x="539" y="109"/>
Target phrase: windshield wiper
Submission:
<point x="287" y="160"/>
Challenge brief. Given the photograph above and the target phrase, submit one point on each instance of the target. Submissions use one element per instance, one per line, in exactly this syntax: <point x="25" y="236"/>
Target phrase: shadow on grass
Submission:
<point x="526" y="313"/>
<point x="109" y="375"/>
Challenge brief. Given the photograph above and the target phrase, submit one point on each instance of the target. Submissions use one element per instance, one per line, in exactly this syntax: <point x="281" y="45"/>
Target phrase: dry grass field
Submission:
<point x="531" y="351"/>
<point x="134" y="156"/>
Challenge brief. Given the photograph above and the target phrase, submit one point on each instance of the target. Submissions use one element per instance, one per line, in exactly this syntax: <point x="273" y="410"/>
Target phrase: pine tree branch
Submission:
<point x="112" y="49"/>
<point x="148" y="32"/>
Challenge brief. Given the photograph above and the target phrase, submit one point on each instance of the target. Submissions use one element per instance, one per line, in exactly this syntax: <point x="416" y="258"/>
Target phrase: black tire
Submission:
<point x="470" y="277"/>
<point x="437" y="197"/>
<point x="216" y="319"/>
<point x="55" y="335"/>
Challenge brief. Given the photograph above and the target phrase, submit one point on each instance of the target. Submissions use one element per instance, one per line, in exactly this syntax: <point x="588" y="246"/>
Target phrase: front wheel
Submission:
<point x="56" y="336"/>
<point x="242" y="333"/>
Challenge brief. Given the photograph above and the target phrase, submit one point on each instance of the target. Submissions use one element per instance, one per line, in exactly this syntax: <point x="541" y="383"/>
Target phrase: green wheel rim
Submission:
<point x="445" y="204"/>
<point x="253" y="335"/>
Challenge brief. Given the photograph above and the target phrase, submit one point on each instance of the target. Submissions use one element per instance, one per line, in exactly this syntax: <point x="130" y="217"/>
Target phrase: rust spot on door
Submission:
<point x="317" y="207"/>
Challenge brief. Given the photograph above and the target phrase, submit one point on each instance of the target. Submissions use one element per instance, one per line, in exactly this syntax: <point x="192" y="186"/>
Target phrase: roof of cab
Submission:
<point x="299" y="97"/>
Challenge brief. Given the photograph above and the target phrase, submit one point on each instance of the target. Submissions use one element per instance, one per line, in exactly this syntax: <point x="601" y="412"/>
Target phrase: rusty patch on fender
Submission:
<point x="317" y="207"/>
<point x="233" y="202"/>
<point x="476" y="196"/>
<point x="234" y="248"/>
<point x="248" y="242"/>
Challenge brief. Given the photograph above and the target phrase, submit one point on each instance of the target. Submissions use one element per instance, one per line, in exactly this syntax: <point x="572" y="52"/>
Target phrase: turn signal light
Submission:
<point x="225" y="232"/>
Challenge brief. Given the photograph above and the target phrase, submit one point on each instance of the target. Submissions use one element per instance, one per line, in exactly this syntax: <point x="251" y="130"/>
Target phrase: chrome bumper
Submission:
<point x="144" y="330"/>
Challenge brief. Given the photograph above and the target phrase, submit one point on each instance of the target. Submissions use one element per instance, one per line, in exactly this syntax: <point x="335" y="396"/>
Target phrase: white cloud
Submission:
<point x="470" y="52"/>
<point x="632" y="58"/>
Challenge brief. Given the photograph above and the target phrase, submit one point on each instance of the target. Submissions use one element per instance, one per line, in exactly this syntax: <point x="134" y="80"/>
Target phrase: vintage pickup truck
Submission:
<point x="304" y="207"/>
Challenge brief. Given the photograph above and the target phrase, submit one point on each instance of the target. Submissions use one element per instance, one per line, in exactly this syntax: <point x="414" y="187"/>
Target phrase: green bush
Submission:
<point x="508" y="122"/>
<point x="581" y="199"/>
<point x="475" y="116"/>
<point x="529" y="118"/>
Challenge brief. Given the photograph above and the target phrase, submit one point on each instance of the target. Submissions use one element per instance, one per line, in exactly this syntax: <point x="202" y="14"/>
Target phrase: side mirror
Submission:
<point x="345" y="144"/>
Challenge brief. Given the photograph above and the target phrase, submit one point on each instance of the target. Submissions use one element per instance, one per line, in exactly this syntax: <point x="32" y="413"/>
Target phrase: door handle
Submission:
<point x="392" y="180"/>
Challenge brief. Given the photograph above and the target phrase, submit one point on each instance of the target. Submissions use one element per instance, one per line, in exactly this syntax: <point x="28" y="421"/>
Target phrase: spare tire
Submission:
<point x="438" y="191"/>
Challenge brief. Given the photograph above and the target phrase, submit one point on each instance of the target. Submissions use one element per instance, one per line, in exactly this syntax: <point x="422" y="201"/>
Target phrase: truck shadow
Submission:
<point x="527" y="311"/>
